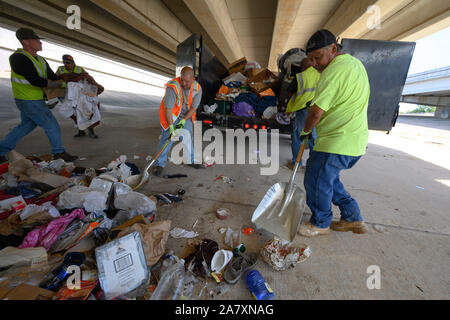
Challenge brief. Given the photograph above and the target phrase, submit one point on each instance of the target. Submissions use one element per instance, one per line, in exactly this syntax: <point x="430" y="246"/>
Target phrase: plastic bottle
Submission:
<point x="258" y="286"/>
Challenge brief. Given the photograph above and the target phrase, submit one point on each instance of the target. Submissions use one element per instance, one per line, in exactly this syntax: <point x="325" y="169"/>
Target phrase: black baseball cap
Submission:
<point x="26" y="34"/>
<point x="320" y="39"/>
<point x="68" y="57"/>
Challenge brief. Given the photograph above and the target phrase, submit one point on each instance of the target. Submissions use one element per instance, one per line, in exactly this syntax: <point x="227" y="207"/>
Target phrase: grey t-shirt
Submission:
<point x="170" y="98"/>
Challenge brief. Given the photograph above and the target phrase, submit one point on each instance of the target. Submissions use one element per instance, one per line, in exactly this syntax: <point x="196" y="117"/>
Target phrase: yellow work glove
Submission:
<point x="305" y="136"/>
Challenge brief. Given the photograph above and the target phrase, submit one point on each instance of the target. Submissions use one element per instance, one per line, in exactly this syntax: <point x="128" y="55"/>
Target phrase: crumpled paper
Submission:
<point x="154" y="238"/>
<point x="182" y="233"/>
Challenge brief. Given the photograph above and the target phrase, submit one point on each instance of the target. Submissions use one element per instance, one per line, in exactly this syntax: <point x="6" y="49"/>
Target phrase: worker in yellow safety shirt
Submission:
<point x="177" y="111"/>
<point x="302" y="88"/>
<point x="30" y="75"/>
<point x="339" y="113"/>
<point x="70" y="67"/>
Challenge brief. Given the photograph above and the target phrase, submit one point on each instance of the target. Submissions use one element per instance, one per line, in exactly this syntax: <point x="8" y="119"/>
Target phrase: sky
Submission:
<point x="430" y="53"/>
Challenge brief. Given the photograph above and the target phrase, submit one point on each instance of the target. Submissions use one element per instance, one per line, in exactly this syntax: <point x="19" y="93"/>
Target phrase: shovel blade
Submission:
<point x="278" y="217"/>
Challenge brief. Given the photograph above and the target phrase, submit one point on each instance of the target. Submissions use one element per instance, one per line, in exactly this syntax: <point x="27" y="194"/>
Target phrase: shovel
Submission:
<point x="146" y="175"/>
<point x="281" y="209"/>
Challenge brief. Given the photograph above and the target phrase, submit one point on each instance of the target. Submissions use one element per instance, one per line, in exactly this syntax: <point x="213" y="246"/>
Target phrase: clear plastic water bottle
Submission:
<point x="258" y="286"/>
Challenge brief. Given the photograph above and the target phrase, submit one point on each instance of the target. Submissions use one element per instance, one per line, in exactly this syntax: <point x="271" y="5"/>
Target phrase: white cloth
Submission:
<point x="82" y="102"/>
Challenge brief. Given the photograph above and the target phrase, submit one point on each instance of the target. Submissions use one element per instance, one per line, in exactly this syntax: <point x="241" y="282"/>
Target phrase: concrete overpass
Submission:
<point x="145" y="33"/>
<point x="430" y="88"/>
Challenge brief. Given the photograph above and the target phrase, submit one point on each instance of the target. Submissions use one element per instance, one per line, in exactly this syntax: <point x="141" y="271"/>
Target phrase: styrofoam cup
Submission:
<point x="220" y="259"/>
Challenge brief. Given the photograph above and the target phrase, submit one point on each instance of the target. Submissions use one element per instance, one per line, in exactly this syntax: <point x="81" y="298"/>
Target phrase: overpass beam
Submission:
<point x="287" y="11"/>
<point x="216" y="20"/>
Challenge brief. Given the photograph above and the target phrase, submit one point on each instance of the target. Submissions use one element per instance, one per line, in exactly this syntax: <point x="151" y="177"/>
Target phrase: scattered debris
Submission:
<point x="222" y="213"/>
<point x="182" y="233"/>
<point x="172" y="176"/>
<point x="224" y="179"/>
<point x="280" y="255"/>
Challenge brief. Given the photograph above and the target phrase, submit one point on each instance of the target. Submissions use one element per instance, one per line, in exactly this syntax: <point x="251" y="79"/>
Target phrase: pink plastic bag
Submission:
<point x="46" y="235"/>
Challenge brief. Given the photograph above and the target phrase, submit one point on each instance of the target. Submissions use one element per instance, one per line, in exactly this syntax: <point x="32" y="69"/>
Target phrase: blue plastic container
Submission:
<point x="258" y="286"/>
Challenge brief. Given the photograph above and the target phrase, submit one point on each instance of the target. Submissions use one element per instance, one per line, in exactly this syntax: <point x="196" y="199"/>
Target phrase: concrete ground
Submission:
<point x="401" y="184"/>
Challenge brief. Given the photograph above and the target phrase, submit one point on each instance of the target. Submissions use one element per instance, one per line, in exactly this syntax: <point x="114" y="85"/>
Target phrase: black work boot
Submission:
<point x="92" y="134"/>
<point x="80" y="133"/>
<point x="65" y="156"/>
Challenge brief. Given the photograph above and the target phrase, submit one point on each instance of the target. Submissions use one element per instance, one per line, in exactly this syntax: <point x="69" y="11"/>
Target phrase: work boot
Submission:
<point x="195" y="165"/>
<point x="80" y="133"/>
<point x="157" y="171"/>
<point x="308" y="230"/>
<point x="65" y="156"/>
<point x="354" y="226"/>
<point x="92" y="134"/>
<point x="290" y="165"/>
<point x="3" y="159"/>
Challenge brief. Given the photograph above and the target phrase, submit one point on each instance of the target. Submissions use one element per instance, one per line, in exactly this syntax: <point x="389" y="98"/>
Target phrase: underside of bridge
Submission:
<point x="145" y="33"/>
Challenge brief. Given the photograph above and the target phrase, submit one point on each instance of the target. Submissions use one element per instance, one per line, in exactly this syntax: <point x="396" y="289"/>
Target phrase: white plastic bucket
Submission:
<point x="220" y="259"/>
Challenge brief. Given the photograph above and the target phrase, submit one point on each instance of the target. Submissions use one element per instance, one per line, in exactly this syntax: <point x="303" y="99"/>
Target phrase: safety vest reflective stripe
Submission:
<point x="176" y="110"/>
<point x="300" y="85"/>
<point x="62" y="70"/>
<point x="39" y="64"/>
<point x="22" y="81"/>
<point x="21" y="87"/>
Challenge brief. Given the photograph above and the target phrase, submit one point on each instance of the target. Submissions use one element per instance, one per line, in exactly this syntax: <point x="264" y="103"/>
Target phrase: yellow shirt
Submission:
<point x="343" y="94"/>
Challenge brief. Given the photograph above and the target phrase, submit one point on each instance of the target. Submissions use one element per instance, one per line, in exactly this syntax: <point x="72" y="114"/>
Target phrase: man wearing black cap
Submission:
<point x="69" y="67"/>
<point x="30" y="73"/>
<point x="339" y="113"/>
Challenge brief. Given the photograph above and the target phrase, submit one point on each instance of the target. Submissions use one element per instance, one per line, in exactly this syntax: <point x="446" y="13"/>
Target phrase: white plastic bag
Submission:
<point x="135" y="203"/>
<point x="83" y="197"/>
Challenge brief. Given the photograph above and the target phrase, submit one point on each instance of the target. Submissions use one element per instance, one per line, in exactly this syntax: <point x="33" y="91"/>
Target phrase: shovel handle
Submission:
<point x="300" y="154"/>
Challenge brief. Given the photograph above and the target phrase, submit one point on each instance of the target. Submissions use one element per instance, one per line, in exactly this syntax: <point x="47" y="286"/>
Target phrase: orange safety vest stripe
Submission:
<point x="177" y="108"/>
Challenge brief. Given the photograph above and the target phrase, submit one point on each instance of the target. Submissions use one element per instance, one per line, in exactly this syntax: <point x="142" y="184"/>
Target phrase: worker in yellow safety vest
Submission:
<point x="30" y="74"/>
<point x="177" y="111"/>
<point x="339" y="114"/>
<point x="303" y="88"/>
<point x="70" y="67"/>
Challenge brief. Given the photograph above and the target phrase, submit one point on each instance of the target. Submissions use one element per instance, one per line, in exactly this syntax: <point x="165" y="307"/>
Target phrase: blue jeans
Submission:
<point x="323" y="187"/>
<point x="299" y="124"/>
<point x="161" y="161"/>
<point x="33" y="113"/>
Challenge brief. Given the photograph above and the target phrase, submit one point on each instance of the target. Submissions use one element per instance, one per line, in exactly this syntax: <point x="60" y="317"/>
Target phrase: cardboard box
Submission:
<point x="27" y="292"/>
<point x="252" y="72"/>
<point x="262" y="81"/>
<point x="237" y="65"/>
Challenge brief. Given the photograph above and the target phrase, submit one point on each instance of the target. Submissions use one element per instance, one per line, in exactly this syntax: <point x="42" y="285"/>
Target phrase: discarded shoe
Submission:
<point x="308" y="230"/>
<point x="195" y="165"/>
<point x="92" y="134"/>
<point x="80" y="133"/>
<point x="65" y="156"/>
<point x="239" y="265"/>
<point x="157" y="171"/>
<point x="354" y="226"/>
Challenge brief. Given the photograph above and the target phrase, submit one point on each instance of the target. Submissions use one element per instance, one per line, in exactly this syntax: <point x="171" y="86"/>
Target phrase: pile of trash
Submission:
<point x="248" y="92"/>
<point x="73" y="233"/>
<point x="58" y="220"/>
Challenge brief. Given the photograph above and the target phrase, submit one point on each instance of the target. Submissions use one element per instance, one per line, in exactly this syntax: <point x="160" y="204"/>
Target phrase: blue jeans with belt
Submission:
<point x="165" y="134"/>
<point x="323" y="187"/>
<point x="299" y="124"/>
<point x="33" y="113"/>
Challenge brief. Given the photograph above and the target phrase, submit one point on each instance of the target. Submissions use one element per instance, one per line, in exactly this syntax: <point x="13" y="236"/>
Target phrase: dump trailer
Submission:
<point x="387" y="64"/>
